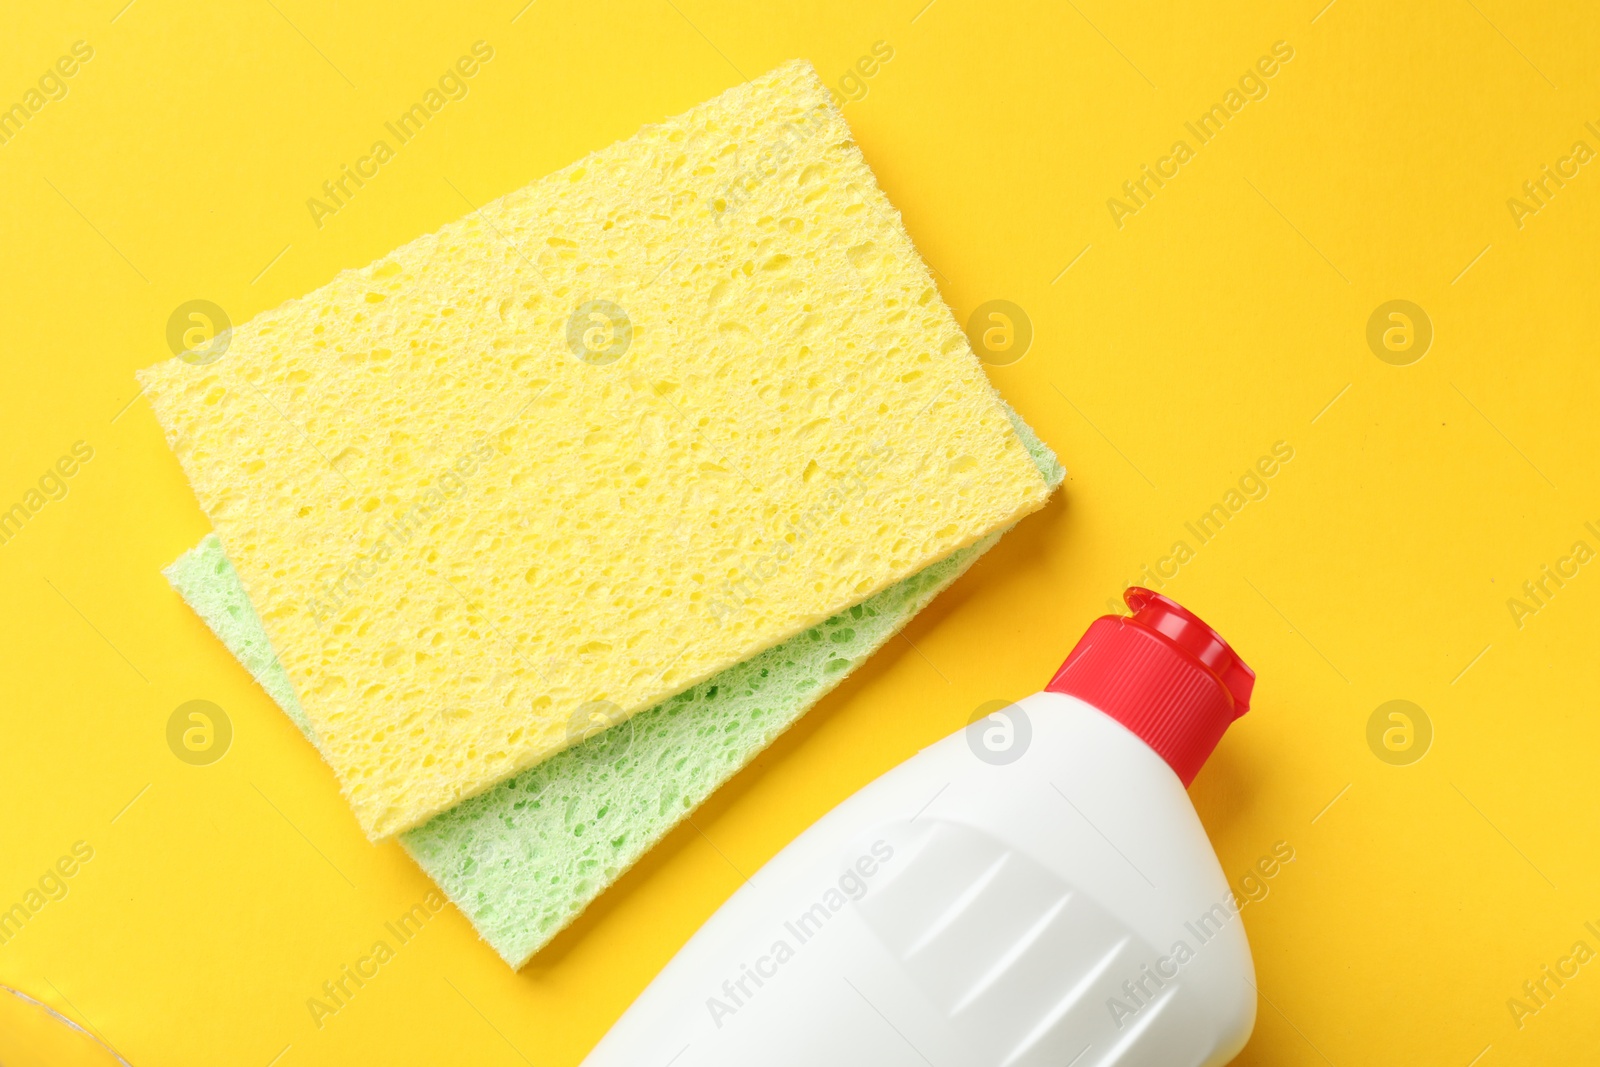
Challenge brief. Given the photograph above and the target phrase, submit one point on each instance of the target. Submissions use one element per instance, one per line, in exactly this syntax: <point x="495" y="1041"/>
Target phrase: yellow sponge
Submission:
<point x="592" y="444"/>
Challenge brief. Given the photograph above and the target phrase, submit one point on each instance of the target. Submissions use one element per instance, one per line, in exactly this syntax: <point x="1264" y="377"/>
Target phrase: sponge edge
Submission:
<point x="205" y="578"/>
<point x="524" y="859"/>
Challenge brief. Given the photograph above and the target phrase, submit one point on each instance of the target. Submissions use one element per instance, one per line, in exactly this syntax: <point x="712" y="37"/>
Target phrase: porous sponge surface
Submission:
<point x="525" y="858"/>
<point x="592" y="444"/>
<point x="522" y="860"/>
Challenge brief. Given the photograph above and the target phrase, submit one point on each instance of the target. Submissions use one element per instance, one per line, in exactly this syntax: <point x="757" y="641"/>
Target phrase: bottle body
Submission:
<point x="1053" y="900"/>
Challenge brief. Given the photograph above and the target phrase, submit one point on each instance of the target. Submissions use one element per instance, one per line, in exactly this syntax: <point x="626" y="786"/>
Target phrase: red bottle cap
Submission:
<point x="1163" y="674"/>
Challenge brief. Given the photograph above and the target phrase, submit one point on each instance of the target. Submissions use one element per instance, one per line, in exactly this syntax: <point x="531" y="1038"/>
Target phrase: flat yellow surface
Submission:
<point x="1228" y="313"/>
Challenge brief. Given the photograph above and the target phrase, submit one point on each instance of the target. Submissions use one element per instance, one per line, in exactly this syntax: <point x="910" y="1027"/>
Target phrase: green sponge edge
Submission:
<point x="523" y="859"/>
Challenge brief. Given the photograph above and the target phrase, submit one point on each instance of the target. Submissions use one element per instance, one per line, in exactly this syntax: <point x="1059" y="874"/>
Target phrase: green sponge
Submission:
<point x="523" y="859"/>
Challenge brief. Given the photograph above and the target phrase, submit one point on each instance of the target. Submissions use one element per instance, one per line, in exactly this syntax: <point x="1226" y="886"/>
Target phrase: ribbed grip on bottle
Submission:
<point x="1162" y="673"/>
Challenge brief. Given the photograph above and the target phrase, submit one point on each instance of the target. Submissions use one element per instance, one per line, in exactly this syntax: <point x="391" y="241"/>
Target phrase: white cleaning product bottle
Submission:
<point x="1033" y="890"/>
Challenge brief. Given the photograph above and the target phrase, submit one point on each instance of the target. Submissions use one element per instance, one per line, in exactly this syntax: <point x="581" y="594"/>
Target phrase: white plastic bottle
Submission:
<point x="1033" y="890"/>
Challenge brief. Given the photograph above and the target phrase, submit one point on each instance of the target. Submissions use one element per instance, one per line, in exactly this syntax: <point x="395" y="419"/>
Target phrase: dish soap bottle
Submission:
<point x="1033" y="890"/>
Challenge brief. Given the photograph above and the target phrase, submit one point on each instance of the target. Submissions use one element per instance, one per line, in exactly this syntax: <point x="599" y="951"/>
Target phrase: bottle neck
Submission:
<point x="1162" y="673"/>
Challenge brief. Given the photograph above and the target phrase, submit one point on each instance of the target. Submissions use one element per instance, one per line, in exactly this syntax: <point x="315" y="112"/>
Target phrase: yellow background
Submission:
<point x="1226" y="315"/>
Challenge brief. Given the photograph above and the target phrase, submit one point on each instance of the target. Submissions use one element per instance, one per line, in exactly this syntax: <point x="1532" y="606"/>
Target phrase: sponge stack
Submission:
<point x="591" y="445"/>
<point x="525" y="858"/>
